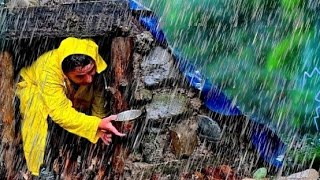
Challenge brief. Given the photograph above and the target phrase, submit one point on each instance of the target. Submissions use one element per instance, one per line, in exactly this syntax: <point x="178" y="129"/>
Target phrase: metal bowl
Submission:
<point x="128" y="115"/>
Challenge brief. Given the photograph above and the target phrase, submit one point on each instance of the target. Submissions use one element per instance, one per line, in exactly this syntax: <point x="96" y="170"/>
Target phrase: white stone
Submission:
<point x="310" y="174"/>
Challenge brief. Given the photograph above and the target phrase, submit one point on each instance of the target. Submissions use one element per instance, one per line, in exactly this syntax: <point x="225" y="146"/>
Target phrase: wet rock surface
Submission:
<point x="144" y="42"/>
<point x="153" y="147"/>
<point x="147" y="171"/>
<point x="170" y="147"/>
<point x="158" y="67"/>
<point x="165" y="106"/>
<point x="56" y="2"/>
<point x="172" y="167"/>
<point x="183" y="139"/>
<point x="208" y="129"/>
<point x="21" y="3"/>
<point x="311" y="174"/>
<point x="143" y="95"/>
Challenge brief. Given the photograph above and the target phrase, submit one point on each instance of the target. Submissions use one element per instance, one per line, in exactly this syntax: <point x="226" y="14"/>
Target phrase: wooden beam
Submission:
<point x="121" y="55"/>
<point x="6" y="87"/>
<point x="7" y="111"/>
<point x="85" y="19"/>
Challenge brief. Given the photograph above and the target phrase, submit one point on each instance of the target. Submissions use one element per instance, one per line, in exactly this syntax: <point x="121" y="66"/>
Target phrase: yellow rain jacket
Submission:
<point x="43" y="92"/>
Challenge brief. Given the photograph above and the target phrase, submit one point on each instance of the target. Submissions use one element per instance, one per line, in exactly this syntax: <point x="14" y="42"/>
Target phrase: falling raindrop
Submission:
<point x="250" y="67"/>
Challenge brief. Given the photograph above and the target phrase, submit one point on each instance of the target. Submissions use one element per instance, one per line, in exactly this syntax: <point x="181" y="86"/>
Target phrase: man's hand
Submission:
<point x="105" y="137"/>
<point x="106" y="125"/>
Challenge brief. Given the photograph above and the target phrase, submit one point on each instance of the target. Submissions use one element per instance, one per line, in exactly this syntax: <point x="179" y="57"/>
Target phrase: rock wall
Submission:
<point x="176" y="137"/>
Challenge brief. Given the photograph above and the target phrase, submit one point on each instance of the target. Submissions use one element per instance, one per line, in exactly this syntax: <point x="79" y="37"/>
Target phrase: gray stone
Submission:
<point x="143" y="42"/>
<point x="21" y="3"/>
<point x="153" y="147"/>
<point x="208" y="129"/>
<point x="166" y="105"/>
<point x="56" y="2"/>
<point x="196" y="103"/>
<point x="158" y="67"/>
<point x="143" y="95"/>
<point x="309" y="174"/>
<point x="142" y="170"/>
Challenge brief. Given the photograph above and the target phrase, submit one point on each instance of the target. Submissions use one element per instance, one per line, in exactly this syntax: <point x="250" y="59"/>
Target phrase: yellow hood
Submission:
<point x="87" y="47"/>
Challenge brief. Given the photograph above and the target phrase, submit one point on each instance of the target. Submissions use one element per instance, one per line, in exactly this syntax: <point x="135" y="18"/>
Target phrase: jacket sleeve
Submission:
<point x="98" y="108"/>
<point x="60" y="107"/>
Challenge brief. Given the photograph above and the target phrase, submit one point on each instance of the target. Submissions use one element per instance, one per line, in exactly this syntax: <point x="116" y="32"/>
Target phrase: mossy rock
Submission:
<point x="167" y="105"/>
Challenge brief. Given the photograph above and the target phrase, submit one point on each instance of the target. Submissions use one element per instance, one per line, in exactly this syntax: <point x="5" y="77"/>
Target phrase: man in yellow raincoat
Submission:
<point x="60" y="85"/>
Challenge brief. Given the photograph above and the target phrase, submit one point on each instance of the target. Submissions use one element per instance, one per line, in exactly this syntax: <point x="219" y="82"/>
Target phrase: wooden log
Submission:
<point x="6" y="87"/>
<point x="121" y="54"/>
<point x="7" y="111"/>
<point x="85" y="19"/>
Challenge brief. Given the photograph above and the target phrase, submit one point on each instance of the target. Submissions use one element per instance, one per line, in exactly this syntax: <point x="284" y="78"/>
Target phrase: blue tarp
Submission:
<point x="268" y="144"/>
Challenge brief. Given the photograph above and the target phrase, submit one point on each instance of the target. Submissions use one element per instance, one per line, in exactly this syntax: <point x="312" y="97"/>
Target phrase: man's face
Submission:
<point x="82" y="75"/>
